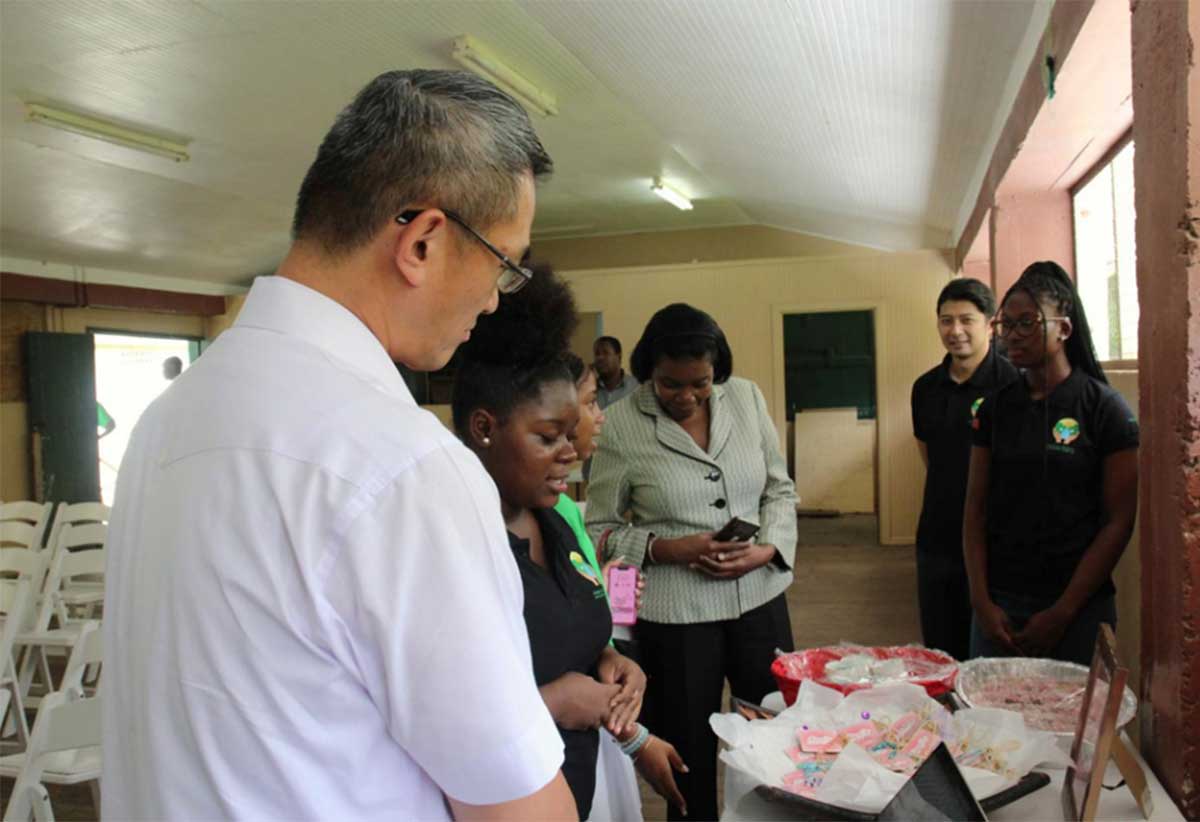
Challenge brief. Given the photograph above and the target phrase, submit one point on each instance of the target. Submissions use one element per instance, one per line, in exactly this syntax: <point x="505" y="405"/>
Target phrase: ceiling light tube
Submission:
<point x="671" y="195"/>
<point x="108" y="132"/>
<point x="478" y="58"/>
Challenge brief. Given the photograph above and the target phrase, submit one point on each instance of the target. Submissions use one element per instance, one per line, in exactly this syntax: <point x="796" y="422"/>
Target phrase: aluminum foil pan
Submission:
<point x="1053" y="708"/>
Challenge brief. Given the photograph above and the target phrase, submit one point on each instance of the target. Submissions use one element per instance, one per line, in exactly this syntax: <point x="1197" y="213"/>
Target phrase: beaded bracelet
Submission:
<point x="635" y="743"/>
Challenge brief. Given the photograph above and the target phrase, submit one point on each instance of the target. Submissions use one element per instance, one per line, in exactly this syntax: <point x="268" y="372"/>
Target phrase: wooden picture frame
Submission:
<point x="1096" y="739"/>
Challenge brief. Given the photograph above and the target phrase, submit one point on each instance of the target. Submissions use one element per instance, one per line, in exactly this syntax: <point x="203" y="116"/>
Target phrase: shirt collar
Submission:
<point x="286" y="307"/>
<point x="978" y="377"/>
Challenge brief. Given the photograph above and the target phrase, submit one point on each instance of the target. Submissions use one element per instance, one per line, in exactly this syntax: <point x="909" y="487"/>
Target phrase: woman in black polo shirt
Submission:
<point x="1052" y="491"/>
<point x="515" y="405"/>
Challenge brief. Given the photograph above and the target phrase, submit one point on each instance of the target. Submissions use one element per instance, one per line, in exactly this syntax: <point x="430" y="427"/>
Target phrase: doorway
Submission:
<point x="131" y="371"/>
<point x="831" y="410"/>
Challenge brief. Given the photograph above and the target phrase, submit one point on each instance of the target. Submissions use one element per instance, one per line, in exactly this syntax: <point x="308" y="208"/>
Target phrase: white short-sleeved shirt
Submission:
<point x="312" y="608"/>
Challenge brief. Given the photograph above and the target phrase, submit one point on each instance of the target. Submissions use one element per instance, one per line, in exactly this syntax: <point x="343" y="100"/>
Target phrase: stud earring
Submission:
<point x="487" y="441"/>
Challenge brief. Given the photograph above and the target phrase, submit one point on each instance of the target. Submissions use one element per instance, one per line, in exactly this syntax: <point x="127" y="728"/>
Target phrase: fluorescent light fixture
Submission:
<point x="476" y="57"/>
<point x="671" y="195"/>
<point x="106" y="131"/>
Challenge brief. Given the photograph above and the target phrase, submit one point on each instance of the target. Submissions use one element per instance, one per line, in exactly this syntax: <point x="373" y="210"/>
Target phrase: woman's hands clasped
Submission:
<point x="720" y="560"/>
<point x="616" y="669"/>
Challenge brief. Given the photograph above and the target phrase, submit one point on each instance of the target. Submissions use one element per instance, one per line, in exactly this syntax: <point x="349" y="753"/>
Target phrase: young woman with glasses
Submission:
<point x="1052" y="490"/>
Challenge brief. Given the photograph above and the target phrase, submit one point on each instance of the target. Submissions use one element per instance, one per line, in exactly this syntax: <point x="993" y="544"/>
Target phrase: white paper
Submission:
<point x="756" y="749"/>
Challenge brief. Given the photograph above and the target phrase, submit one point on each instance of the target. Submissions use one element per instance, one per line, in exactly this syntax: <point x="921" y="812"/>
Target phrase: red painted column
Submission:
<point x="1026" y="227"/>
<point x="1166" y="133"/>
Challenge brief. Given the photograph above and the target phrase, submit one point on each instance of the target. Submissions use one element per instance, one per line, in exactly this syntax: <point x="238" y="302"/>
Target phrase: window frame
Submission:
<point x="1104" y="162"/>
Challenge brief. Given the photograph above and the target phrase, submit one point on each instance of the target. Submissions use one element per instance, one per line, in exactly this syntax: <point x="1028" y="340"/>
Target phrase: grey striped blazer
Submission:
<point x="649" y="468"/>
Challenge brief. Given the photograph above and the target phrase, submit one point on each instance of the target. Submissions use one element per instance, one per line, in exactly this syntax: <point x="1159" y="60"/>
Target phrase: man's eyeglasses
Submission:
<point x="513" y="279"/>
<point x="1023" y="327"/>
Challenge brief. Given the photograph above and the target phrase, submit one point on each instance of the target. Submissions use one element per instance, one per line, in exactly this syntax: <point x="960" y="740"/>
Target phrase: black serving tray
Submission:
<point x="809" y="809"/>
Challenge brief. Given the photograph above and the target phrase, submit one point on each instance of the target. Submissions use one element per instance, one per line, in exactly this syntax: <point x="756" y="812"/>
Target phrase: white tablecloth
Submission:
<point x="1042" y="804"/>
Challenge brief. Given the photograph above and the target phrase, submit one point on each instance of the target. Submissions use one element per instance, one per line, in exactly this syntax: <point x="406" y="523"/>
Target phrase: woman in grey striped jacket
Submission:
<point x="689" y="449"/>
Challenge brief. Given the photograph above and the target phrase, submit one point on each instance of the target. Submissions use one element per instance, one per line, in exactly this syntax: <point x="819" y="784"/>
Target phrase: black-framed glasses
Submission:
<point x="1023" y="327"/>
<point x="513" y="279"/>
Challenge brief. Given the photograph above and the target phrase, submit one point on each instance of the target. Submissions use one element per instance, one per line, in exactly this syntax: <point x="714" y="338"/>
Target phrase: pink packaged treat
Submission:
<point x="865" y="734"/>
<point x="903" y="728"/>
<point x="921" y="745"/>
<point x="798" y="756"/>
<point x="814" y="741"/>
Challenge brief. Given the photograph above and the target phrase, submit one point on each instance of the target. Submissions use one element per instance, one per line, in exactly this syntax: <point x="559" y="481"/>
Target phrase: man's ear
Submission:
<point x="419" y="246"/>
<point x="481" y="429"/>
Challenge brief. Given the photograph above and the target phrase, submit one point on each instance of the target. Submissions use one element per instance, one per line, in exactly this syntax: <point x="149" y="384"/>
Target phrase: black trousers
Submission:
<point x="944" y="597"/>
<point x="686" y="667"/>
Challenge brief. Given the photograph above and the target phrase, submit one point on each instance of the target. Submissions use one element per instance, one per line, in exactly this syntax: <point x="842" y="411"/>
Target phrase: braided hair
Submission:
<point x="1047" y="280"/>
<point x="516" y="351"/>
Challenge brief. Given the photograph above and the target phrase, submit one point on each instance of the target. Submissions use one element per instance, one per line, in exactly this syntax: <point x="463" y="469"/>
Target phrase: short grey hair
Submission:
<point x="445" y="138"/>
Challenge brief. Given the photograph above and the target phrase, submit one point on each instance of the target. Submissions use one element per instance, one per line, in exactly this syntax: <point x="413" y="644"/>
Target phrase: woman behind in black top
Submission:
<point x="1052" y="491"/>
<point x="515" y="405"/>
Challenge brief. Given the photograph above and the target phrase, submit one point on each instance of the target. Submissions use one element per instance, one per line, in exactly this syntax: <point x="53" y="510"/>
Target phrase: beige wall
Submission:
<point x="749" y="298"/>
<point x="215" y="325"/>
<point x="695" y="246"/>
<point x="1128" y="576"/>
<point x="79" y="320"/>
<point x="15" y="471"/>
<point x="835" y="452"/>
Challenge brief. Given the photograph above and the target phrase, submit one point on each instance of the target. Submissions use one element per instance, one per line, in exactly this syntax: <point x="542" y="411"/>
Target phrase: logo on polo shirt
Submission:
<point x="586" y="571"/>
<point x="975" y="407"/>
<point x="1066" y="431"/>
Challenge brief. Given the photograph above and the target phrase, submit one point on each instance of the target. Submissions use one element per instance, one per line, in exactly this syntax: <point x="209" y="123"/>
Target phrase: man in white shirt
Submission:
<point x="312" y="608"/>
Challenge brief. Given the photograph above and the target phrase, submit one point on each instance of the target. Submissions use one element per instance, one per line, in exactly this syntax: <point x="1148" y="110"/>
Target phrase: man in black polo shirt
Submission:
<point x="944" y="402"/>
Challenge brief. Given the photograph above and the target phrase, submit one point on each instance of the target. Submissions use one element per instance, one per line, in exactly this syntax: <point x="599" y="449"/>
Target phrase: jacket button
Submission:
<point x="713" y="475"/>
<point x="720" y="503"/>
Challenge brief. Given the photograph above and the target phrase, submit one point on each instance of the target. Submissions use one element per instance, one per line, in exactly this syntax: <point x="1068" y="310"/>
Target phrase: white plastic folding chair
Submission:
<point x="16" y="605"/>
<point x="75" y="515"/>
<point x="35" y="514"/>
<point x="59" y="594"/>
<point x="87" y="654"/>
<point x="65" y="723"/>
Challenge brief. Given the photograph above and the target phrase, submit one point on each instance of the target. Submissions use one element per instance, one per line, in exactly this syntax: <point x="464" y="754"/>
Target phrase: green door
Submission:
<point x="64" y="413"/>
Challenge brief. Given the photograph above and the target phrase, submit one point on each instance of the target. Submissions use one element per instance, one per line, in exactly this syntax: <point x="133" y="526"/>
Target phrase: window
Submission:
<point x="1106" y="256"/>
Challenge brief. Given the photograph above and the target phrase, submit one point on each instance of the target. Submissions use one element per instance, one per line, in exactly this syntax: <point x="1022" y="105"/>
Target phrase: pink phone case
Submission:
<point x="622" y="594"/>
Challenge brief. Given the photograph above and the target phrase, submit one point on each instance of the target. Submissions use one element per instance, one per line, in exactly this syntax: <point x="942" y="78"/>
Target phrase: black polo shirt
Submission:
<point x="942" y="411"/>
<point x="1046" y="484"/>
<point x="569" y="624"/>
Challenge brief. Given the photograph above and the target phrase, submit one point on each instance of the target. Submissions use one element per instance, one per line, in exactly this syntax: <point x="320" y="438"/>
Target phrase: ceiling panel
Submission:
<point x="860" y="120"/>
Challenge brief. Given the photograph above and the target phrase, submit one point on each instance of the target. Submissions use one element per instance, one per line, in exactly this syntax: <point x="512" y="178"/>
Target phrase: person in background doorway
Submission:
<point x="945" y="400"/>
<point x="345" y="640"/>
<point x="1052" y="492"/>
<point x="692" y="447"/>
<point x="105" y="424"/>
<point x="615" y="384"/>
<point x="172" y="367"/>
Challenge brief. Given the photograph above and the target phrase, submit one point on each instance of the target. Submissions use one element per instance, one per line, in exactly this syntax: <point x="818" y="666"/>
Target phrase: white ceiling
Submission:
<point x="867" y="121"/>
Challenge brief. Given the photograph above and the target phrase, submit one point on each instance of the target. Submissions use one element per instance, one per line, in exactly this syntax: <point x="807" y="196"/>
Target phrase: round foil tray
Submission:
<point x="974" y="674"/>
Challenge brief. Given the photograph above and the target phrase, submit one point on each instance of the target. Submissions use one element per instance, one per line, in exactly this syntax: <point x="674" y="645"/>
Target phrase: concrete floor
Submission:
<point x="847" y="588"/>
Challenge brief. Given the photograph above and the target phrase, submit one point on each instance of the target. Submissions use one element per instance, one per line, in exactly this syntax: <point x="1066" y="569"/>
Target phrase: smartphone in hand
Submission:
<point x="737" y="530"/>
<point x="622" y="594"/>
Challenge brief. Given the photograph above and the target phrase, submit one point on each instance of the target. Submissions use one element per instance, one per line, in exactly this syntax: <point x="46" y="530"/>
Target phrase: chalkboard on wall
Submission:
<point x="829" y="361"/>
